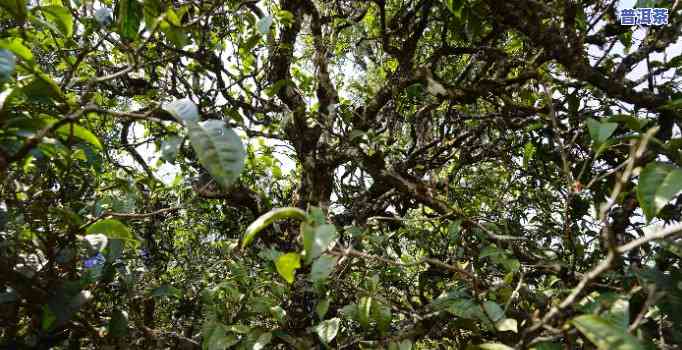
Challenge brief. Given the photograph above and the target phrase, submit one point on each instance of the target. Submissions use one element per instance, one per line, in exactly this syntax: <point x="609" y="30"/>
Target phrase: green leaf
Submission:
<point x="151" y="10"/>
<point x="322" y="268"/>
<point x="16" y="45"/>
<point x="507" y="324"/>
<point x="114" y="249"/>
<point x="382" y="315"/>
<point x="349" y="311"/>
<point x="286" y="17"/>
<point x="129" y="16"/>
<point x="219" y="149"/>
<point x="79" y="132"/>
<point x="528" y="154"/>
<point x="15" y="7"/>
<point x="547" y="346"/>
<point x="217" y="337"/>
<point x="170" y="147"/>
<point x="604" y="334"/>
<point x="96" y="242"/>
<point x="511" y="265"/>
<point x="493" y="310"/>
<point x="619" y="313"/>
<point x="175" y="34"/>
<point x="48" y="318"/>
<point x="406" y="344"/>
<point x="43" y="89"/>
<point x="600" y="132"/>
<point x="287" y="264"/>
<point x="632" y="122"/>
<point x="113" y="229"/>
<point x="268" y="218"/>
<point x="278" y="313"/>
<point x="322" y="307"/>
<point x="261" y="342"/>
<point x="468" y="309"/>
<point x="184" y="110"/>
<point x="166" y="291"/>
<point x="273" y="89"/>
<point x="316" y="241"/>
<point x="264" y="24"/>
<point x="455" y="7"/>
<point x="454" y="228"/>
<point x="328" y="329"/>
<point x="494" y="346"/>
<point x="491" y="251"/>
<point x="7" y="64"/>
<point x="61" y="17"/>
<point x="658" y="184"/>
<point x="239" y="329"/>
<point x="104" y="16"/>
<point x="364" y="309"/>
<point x="118" y="325"/>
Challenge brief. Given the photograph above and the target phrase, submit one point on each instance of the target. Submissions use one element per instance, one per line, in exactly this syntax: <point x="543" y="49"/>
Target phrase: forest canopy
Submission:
<point x="339" y="174"/>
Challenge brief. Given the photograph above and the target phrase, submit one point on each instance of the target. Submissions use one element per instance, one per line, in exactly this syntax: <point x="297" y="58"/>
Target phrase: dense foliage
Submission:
<point x="385" y="174"/>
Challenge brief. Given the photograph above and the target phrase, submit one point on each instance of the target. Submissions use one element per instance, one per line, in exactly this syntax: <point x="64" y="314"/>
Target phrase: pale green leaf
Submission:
<point x="619" y="313"/>
<point x="467" y="308"/>
<point x="287" y="264"/>
<point x="80" y="133"/>
<point x="113" y="229"/>
<point x="547" y="346"/>
<point x="7" y="64"/>
<point x="219" y="338"/>
<point x="170" y="147"/>
<point x="239" y="328"/>
<point x="382" y="315"/>
<point x="494" y="346"/>
<point x="493" y="310"/>
<point x="328" y="329"/>
<point x="15" y="7"/>
<point x="604" y="334"/>
<point x="16" y="45"/>
<point x="104" y="16"/>
<point x="600" y="132"/>
<point x="166" y="291"/>
<point x="406" y="344"/>
<point x="528" y="153"/>
<point x="364" y="309"/>
<point x="316" y="241"/>
<point x="658" y="184"/>
<point x="349" y="311"/>
<point x="507" y="324"/>
<point x="96" y="242"/>
<point x="322" y="268"/>
<point x="262" y="341"/>
<point x="151" y="10"/>
<point x="264" y="24"/>
<point x="268" y="218"/>
<point x="129" y="16"/>
<point x="61" y="17"/>
<point x="219" y="149"/>
<point x="455" y="7"/>
<point x="279" y="313"/>
<point x="184" y="110"/>
<point x="322" y="307"/>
